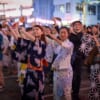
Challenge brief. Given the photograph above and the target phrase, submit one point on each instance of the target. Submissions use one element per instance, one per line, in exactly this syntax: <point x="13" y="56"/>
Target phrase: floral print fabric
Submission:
<point x="87" y="44"/>
<point x="63" y="71"/>
<point x="94" y="92"/>
<point x="37" y="52"/>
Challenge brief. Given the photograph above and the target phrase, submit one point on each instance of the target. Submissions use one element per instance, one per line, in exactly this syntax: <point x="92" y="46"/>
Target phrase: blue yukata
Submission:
<point x="34" y="81"/>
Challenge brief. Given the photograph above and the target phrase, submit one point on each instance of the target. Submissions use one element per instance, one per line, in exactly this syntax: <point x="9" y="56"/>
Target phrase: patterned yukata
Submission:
<point x="87" y="44"/>
<point x="34" y="81"/>
<point x="63" y="73"/>
<point x="94" y="91"/>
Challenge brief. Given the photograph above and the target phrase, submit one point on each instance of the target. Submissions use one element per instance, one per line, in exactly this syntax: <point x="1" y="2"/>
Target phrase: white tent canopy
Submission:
<point x="17" y="2"/>
<point x="13" y="7"/>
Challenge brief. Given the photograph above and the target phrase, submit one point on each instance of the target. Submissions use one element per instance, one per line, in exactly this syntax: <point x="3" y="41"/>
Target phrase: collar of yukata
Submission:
<point x="64" y="40"/>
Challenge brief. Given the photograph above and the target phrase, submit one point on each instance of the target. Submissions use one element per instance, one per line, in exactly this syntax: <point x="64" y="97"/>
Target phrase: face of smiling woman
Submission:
<point x="63" y="34"/>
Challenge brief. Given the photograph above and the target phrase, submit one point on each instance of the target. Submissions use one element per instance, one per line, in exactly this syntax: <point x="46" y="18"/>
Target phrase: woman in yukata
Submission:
<point x="90" y="41"/>
<point x="62" y="79"/>
<point x="34" y="80"/>
<point x="94" y="91"/>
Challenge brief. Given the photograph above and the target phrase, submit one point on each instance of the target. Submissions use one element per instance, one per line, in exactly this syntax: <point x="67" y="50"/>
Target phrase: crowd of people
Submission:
<point x="51" y="53"/>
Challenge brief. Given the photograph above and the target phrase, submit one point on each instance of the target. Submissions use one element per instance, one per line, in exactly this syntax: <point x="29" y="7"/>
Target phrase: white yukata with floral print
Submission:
<point x="62" y="70"/>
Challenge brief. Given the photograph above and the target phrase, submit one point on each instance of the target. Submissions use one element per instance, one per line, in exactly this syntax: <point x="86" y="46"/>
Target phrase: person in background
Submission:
<point x="49" y="49"/>
<point x="20" y="54"/>
<point x="48" y="56"/>
<point x="71" y="28"/>
<point x="2" y="83"/>
<point x="89" y="30"/>
<point x="6" y="56"/>
<point x="77" y="58"/>
<point x="84" y="29"/>
<point x="94" y="91"/>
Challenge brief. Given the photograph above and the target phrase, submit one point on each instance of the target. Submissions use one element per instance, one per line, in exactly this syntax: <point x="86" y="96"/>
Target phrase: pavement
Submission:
<point x="12" y="90"/>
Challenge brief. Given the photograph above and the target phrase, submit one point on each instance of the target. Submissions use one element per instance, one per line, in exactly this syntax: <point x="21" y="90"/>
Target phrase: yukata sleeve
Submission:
<point x="67" y="48"/>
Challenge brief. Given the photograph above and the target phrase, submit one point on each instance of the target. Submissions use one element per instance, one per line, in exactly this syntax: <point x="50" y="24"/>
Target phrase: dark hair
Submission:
<point x="89" y="27"/>
<point x="95" y="26"/>
<point x="64" y="27"/>
<point x="42" y="36"/>
<point x="28" y="29"/>
<point x="48" y="28"/>
<point x="76" y="22"/>
<point x="39" y="27"/>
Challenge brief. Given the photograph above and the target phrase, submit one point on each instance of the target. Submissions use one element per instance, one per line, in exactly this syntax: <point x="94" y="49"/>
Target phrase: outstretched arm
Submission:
<point x="30" y="36"/>
<point x="55" y="39"/>
<point x="63" y="44"/>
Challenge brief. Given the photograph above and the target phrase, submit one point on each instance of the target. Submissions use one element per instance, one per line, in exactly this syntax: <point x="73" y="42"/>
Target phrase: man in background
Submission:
<point x="77" y="58"/>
